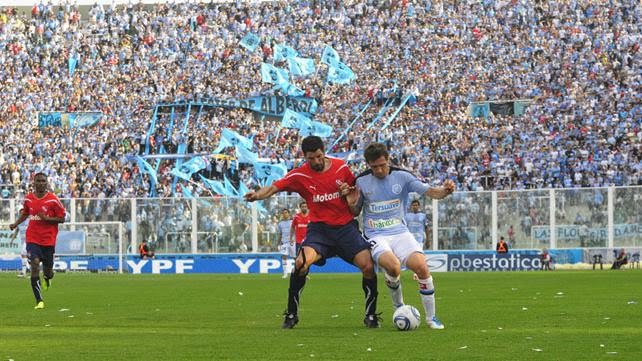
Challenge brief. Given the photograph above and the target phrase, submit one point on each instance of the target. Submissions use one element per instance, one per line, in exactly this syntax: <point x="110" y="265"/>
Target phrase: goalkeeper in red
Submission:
<point x="332" y="230"/>
<point x="45" y="212"/>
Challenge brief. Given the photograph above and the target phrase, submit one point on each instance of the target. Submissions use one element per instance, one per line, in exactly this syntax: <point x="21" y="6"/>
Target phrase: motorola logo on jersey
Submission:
<point x="325" y="197"/>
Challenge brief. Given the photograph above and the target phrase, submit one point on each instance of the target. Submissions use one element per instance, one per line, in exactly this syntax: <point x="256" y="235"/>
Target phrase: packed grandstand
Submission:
<point x="423" y="65"/>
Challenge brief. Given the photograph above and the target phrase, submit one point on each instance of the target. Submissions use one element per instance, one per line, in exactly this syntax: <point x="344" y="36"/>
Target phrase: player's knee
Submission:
<point x="300" y="266"/>
<point x="367" y="268"/>
<point x="422" y="272"/>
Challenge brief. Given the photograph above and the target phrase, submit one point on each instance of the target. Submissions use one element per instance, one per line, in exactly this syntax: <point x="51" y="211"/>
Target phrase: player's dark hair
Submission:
<point x="312" y="143"/>
<point x="39" y="174"/>
<point x="302" y="203"/>
<point x="375" y="151"/>
<point x="415" y="201"/>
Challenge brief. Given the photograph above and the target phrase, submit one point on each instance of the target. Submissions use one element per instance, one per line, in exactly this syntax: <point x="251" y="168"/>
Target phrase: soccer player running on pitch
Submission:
<point x="300" y="225"/>
<point x="45" y="212"/>
<point x="332" y="230"/>
<point x="382" y="192"/>
<point x="286" y="248"/>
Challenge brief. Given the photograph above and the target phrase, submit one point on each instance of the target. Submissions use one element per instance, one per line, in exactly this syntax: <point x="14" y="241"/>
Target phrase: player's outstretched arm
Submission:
<point x="264" y="192"/>
<point x="441" y="192"/>
<point x="23" y="216"/>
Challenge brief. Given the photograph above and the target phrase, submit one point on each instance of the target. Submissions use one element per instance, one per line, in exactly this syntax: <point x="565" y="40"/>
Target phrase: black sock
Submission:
<point x="35" y="287"/>
<point x="370" y="289"/>
<point x="294" y="292"/>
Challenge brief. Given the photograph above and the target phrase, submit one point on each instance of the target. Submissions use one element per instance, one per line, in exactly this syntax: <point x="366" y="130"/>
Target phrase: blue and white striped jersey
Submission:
<point x="416" y="223"/>
<point x="384" y="201"/>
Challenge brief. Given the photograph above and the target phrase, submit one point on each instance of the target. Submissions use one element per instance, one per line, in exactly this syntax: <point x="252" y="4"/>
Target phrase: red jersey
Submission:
<point x="321" y="191"/>
<point x="300" y="224"/>
<point x="38" y="231"/>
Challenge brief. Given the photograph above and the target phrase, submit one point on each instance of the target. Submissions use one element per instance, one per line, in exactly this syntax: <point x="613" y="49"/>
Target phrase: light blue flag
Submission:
<point x="243" y="189"/>
<point x="180" y="174"/>
<point x="246" y="156"/>
<point x="250" y="42"/>
<point x="194" y="165"/>
<point x="330" y="56"/>
<point x="273" y="75"/>
<point x="229" y="188"/>
<point x="147" y="168"/>
<point x="222" y="144"/>
<point x="264" y="170"/>
<point x="186" y="192"/>
<point x="321" y="130"/>
<point x="301" y="66"/>
<point x="292" y="119"/>
<point x="291" y="90"/>
<point x="282" y="52"/>
<point x="340" y="75"/>
<point x="315" y="128"/>
<point x="216" y="187"/>
<point x="72" y="62"/>
<point x="237" y="140"/>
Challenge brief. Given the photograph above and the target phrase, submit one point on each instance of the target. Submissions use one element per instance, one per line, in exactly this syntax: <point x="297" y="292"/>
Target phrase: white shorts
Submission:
<point x="288" y="249"/>
<point x="401" y="245"/>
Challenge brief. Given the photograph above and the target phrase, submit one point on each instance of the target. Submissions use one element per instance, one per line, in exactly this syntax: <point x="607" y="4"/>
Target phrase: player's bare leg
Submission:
<point x="392" y="269"/>
<point x="363" y="260"/>
<point x="417" y="263"/>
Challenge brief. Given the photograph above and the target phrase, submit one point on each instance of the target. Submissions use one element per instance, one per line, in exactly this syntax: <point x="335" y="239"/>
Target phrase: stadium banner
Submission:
<point x="68" y="120"/>
<point x="7" y="244"/>
<point x="70" y="242"/>
<point x="268" y="105"/>
<point x="67" y="242"/>
<point x="572" y="232"/>
<point x="270" y="263"/>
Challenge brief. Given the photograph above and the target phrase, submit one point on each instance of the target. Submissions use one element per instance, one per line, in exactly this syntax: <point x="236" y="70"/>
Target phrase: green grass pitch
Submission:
<point x="561" y="315"/>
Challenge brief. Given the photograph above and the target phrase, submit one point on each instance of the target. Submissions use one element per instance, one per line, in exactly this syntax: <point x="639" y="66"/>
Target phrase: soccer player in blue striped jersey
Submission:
<point x="286" y="248"/>
<point x="381" y="192"/>
<point x="417" y="223"/>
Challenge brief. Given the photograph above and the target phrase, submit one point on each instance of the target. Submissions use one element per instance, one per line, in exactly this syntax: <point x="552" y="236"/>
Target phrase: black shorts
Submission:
<point x="44" y="253"/>
<point x="329" y="241"/>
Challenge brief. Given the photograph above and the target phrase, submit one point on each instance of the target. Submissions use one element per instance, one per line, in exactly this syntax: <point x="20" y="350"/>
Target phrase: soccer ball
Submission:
<point x="406" y="318"/>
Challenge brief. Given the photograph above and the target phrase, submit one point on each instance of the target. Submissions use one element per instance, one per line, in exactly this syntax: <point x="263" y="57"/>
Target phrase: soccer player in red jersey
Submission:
<point x="45" y="212"/>
<point x="332" y="230"/>
<point x="300" y="225"/>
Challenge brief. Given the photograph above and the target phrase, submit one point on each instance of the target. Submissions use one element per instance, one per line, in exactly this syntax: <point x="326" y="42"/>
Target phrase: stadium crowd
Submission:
<point x="578" y="61"/>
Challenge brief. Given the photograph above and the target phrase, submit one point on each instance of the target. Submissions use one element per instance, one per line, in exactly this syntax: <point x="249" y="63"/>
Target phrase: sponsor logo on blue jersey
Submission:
<point x="384" y="206"/>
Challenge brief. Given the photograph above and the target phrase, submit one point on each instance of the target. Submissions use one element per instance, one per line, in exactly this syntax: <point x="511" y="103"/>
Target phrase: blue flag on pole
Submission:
<point x="330" y="56"/>
<point x="216" y="187"/>
<point x="147" y="168"/>
<point x="301" y="66"/>
<point x="72" y="62"/>
<point x="246" y="156"/>
<point x="264" y="170"/>
<point x="315" y="128"/>
<point x="229" y="187"/>
<point x="236" y="140"/>
<point x="282" y="52"/>
<point x="292" y="119"/>
<point x="250" y="42"/>
<point x="194" y="165"/>
<point x="273" y="75"/>
<point x="222" y="144"/>
<point x="340" y="75"/>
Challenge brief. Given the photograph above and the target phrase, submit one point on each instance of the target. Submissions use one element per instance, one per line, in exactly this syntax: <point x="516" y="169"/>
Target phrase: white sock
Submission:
<point x="394" y="286"/>
<point x="427" y="293"/>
